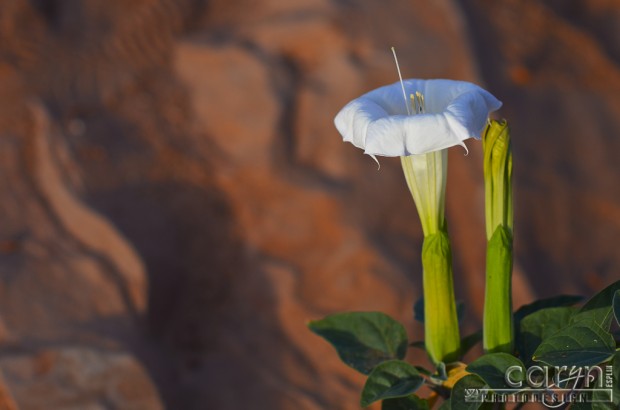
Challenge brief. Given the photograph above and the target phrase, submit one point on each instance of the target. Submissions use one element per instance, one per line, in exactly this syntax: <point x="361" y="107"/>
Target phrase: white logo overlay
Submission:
<point x="551" y="386"/>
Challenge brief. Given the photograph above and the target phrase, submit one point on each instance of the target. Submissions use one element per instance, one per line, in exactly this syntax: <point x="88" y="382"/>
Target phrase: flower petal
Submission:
<point x="353" y="120"/>
<point x="400" y="135"/>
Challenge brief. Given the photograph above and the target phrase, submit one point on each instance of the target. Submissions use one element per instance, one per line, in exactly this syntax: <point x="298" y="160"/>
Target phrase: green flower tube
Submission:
<point x="426" y="179"/>
<point x="497" y="320"/>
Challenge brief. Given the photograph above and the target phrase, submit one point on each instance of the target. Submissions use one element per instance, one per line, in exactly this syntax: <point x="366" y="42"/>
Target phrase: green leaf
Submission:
<point x="598" y="309"/>
<point x="492" y="369"/>
<point x="405" y="403"/>
<point x="557" y="301"/>
<point x="465" y="394"/>
<point x="390" y="379"/>
<point x="616" y="304"/>
<point x="580" y="344"/>
<point x="363" y="339"/>
<point x="602" y="397"/>
<point x="470" y="341"/>
<point x="538" y="326"/>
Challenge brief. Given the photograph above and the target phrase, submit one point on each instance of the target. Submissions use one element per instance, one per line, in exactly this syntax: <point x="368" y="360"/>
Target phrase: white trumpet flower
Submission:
<point x="379" y="123"/>
<point x="437" y="115"/>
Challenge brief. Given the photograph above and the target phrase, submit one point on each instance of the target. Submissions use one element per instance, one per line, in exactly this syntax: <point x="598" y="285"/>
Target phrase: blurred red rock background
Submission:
<point x="176" y="203"/>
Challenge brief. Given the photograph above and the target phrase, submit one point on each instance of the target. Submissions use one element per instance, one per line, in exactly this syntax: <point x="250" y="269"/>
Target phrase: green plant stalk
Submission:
<point x="497" y="320"/>
<point x="497" y="317"/>
<point x="441" y="328"/>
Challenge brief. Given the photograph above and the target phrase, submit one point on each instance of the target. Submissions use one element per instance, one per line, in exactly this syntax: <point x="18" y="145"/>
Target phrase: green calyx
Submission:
<point x="441" y="327"/>
<point x="497" y="320"/>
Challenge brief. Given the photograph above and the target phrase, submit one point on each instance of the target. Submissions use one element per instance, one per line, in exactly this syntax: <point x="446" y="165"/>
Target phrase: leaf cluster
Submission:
<point x="551" y="333"/>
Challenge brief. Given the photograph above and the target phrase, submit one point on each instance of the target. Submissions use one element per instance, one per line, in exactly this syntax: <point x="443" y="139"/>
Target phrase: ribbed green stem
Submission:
<point x="497" y="320"/>
<point x="441" y="326"/>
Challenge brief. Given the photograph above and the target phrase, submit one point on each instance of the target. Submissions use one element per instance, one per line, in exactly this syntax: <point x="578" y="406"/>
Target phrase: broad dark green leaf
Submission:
<point x="391" y="379"/>
<point x="466" y="393"/>
<point x="470" y="341"/>
<point x="556" y="301"/>
<point x="405" y="403"/>
<point x="363" y="339"/>
<point x="616" y="304"/>
<point x="418" y="310"/>
<point x="601" y="397"/>
<point x="580" y="344"/>
<point x="538" y="326"/>
<point x="492" y="368"/>
<point x="599" y="309"/>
